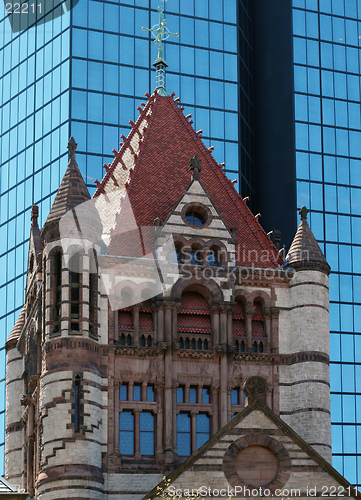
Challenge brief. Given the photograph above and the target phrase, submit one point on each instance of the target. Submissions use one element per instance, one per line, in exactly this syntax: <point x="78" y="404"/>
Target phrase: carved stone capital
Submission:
<point x="27" y="400"/>
<point x="215" y="388"/>
<point x="175" y="386"/>
<point x="193" y="413"/>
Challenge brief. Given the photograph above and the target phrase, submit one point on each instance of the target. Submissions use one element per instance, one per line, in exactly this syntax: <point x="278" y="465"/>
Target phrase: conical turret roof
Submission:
<point x="16" y="331"/>
<point x="72" y="191"/>
<point x="305" y="253"/>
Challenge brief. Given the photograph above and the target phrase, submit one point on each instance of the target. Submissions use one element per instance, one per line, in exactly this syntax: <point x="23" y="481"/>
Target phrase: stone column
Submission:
<point x="174" y="410"/>
<point x="224" y="385"/>
<point x="159" y="387"/>
<point x="193" y="430"/>
<point x="137" y="455"/>
<point x="267" y="329"/>
<point x="215" y="410"/>
<point x="175" y="308"/>
<point x="223" y="326"/>
<point x="168" y="322"/>
<point x="230" y="326"/>
<point x="116" y="326"/>
<point x="168" y="405"/>
<point x="229" y="401"/>
<point x="248" y="318"/>
<point x="160" y="324"/>
<point x="116" y="418"/>
<point x="274" y="328"/>
<point x="136" y="309"/>
<point x="215" y="325"/>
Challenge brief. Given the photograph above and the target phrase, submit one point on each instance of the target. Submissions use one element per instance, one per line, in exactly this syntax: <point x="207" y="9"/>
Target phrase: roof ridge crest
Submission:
<point x="118" y="156"/>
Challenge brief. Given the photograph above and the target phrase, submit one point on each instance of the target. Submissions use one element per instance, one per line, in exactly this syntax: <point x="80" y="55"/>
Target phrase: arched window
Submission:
<point x="142" y="341"/>
<point x="199" y="344"/>
<point x="146" y="317"/>
<point x="93" y="295"/>
<point x="77" y="404"/>
<point x="179" y="252"/>
<point x="214" y="256"/>
<point x="194" y="315"/>
<point x="58" y="290"/>
<point x="254" y="346"/>
<point x="149" y="341"/>
<point x="196" y="255"/>
<point x="75" y="288"/>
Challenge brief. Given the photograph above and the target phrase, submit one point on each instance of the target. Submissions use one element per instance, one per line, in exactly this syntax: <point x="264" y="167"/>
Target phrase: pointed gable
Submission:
<point x="256" y="449"/>
<point x="152" y="165"/>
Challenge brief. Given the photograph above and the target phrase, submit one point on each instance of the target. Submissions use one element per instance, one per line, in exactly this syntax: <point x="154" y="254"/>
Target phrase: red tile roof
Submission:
<point x="153" y="166"/>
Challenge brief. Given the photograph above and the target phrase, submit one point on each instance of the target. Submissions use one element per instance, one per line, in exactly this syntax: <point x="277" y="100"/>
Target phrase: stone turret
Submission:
<point x="70" y="382"/>
<point x="14" y="387"/>
<point x="305" y="383"/>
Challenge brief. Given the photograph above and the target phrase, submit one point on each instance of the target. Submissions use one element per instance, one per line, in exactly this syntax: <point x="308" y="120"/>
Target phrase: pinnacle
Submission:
<point x="305" y="253"/>
<point x="72" y="191"/>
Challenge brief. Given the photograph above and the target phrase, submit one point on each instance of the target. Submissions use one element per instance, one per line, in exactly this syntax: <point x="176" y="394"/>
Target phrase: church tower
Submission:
<point x="305" y="382"/>
<point x="147" y="309"/>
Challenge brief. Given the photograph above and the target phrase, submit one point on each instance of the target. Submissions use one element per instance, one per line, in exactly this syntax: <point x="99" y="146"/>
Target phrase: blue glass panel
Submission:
<point x="123" y="393"/>
<point x="150" y="393"/>
<point x="146" y="426"/>
<point x="137" y="392"/>
<point x="126" y="433"/>
<point x="180" y="395"/>
<point x="193" y="395"/>
<point x="299" y="22"/>
<point x="300" y="79"/>
<point x="336" y="408"/>
<point x="234" y="397"/>
<point x="337" y="438"/>
<point x="183" y="434"/>
<point x="206" y="395"/>
<point x="202" y="429"/>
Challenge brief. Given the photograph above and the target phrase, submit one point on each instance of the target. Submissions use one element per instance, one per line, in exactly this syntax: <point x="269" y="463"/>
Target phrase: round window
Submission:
<point x="195" y="218"/>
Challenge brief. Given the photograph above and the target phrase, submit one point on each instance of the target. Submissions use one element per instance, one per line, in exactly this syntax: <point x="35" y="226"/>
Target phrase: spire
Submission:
<point x="72" y="190"/>
<point x="305" y="253"/>
<point x="160" y="32"/>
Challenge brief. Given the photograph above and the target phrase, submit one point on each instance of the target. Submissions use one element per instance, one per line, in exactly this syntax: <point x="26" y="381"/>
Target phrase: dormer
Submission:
<point x="201" y="236"/>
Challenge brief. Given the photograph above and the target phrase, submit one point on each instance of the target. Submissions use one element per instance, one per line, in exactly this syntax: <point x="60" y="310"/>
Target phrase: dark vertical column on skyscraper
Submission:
<point x="274" y="116"/>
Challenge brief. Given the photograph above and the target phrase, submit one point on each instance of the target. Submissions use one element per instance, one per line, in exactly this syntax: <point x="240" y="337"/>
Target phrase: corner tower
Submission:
<point x="305" y="382"/>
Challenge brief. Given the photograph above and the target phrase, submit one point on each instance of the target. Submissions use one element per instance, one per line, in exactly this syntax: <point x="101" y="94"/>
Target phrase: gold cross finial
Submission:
<point x="160" y="33"/>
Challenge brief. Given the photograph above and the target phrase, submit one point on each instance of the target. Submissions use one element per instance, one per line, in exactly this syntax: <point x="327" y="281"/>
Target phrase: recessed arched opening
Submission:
<point x="194" y="317"/>
<point x="196" y="255"/>
<point x="214" y="256"/>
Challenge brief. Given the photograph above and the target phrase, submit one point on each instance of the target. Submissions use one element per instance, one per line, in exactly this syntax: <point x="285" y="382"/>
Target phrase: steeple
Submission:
<point x="160" y="33"/>
<point x="305" y="252"/>
<point x="72" y="191"/>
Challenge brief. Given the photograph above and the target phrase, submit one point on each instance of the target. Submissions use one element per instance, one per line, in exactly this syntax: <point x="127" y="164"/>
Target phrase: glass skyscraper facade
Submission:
<point x="326" y="52"/>
<point x="272" y="84"/>
<point x="83" y="73"/>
